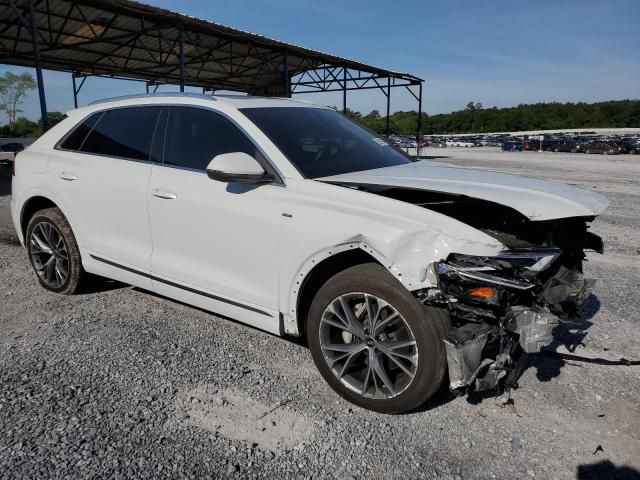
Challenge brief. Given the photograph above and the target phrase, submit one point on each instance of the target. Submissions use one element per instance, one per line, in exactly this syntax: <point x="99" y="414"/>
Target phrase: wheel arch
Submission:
<point x="39" y="200"/>
<point x="318" y="270"/>
<point x="31" y="206"/>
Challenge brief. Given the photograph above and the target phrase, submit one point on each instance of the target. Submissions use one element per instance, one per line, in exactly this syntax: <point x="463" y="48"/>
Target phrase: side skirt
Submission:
<point x="258" y="317"/>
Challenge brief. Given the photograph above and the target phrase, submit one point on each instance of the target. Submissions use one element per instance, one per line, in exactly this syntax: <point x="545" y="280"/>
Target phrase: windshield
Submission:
<point x="321" y="142"/>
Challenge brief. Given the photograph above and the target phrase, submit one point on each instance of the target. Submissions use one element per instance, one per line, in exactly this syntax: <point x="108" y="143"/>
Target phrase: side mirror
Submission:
<point x="237" y="167"/>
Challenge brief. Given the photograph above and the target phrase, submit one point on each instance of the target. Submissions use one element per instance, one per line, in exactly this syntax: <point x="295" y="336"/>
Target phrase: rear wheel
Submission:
<point x="53" y="251"/>
<point x="374" y="343"/>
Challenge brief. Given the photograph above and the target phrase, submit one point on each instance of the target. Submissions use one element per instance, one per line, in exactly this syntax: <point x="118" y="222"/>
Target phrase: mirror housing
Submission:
<point x="237" y="167"/>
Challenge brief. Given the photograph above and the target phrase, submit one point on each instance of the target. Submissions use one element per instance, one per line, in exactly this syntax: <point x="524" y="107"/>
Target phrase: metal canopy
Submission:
<point x="131" y="40"/>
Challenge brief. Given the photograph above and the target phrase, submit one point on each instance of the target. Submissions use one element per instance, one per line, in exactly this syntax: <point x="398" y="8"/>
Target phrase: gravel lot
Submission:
<point x="117" y="382"/>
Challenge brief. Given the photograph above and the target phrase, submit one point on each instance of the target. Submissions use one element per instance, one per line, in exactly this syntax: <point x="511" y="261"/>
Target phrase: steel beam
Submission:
<point x="38" y="65"/>
<point x="286" y="87"/>
<point x="388" y="104"/>
<point x="181" y="55"/>
<point x="77" y="88"/>
<point x="344" y="89"/>
<point x="418" y="134"/>
<point x="75" y="91"/>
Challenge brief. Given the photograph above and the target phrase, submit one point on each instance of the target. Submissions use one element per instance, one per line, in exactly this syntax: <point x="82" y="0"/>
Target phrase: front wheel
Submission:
<point x="374" y="343"/>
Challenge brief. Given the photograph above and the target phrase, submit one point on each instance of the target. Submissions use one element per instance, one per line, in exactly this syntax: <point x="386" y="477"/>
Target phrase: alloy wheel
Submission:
<point x="368" y="345"/>
<point x="49" y="254"/>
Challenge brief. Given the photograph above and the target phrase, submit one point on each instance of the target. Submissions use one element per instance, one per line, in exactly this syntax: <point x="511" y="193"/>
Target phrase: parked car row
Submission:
<point x="586" y="142"/>
<point x="607" y="145"/>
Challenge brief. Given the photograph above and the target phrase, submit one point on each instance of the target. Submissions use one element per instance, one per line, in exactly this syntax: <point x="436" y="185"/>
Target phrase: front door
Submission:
<point x="214" y="243"/>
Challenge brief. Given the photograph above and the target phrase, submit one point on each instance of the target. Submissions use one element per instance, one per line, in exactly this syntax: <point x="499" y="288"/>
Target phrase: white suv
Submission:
<point x="291" y="218"/>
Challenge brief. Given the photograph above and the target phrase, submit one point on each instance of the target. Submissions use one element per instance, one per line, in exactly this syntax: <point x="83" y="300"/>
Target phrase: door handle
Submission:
<point x="165" y="194"/>
<point x="68" y="176"/>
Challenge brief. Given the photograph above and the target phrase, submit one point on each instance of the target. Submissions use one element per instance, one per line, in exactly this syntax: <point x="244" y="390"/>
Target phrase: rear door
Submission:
<point x="101" y="176"/>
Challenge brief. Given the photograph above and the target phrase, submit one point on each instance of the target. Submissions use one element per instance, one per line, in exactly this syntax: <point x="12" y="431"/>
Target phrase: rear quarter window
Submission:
<point x="123" y="132"/>
<point x="75" y="138"/>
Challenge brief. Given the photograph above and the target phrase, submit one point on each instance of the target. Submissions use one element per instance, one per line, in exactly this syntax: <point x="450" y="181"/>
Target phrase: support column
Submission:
<point x="181" y="55"/>
<point x="418" y="134"/>
<point x="77" y="87"/>
<point x="36" y="53"/>
<point x="286" y="87"/>
<point x="75" y="91"/>
<point x="344" y="90"/>
<point x="388" y="104"/>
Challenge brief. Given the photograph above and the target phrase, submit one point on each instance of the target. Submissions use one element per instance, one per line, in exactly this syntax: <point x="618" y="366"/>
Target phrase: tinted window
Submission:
<point x="123" y="132"/>
<point x="195" y="135"/>
<point x="321" y="142"/>
<point x="76" y="137"/>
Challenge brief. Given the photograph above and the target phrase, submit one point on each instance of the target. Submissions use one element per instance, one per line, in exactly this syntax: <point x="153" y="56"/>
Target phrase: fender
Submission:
<point x="40" y="192"/>
<point x="406" y="259"/>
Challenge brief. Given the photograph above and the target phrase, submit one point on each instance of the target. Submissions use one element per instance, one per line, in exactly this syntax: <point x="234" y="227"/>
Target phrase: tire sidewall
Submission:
<point x="54" y="217"/>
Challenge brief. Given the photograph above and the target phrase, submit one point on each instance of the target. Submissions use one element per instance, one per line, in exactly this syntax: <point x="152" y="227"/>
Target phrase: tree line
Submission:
<point x="473" y="119"/>
<point x="540" y="116"/>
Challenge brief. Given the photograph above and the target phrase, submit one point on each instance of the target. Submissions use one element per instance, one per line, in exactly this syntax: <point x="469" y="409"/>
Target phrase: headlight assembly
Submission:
<point x="511" y="269"/>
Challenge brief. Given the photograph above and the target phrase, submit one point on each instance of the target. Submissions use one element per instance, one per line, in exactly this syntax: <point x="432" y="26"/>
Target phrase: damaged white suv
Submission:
<point x="291" y="218"/>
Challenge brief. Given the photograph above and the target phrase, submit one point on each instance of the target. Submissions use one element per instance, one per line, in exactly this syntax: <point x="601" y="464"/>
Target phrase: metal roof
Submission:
<point x="127" y="39"/>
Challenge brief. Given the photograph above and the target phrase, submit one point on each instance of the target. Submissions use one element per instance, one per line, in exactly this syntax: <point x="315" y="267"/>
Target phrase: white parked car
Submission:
<point x="293" y="219"/>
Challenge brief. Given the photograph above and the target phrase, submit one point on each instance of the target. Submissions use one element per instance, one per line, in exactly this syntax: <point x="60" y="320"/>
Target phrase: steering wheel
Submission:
<point x="329" y="147"/>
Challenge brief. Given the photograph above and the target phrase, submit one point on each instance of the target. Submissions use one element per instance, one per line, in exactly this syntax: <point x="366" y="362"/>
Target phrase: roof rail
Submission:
<point x="155" y="95"/>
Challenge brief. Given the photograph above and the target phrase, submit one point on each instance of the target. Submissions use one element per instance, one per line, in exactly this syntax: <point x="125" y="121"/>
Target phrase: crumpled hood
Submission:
<point x="536" y="199"/>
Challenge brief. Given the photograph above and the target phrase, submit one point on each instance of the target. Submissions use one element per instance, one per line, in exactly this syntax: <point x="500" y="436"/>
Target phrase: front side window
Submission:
<point x="123" y="132"/>
<point x="321" y="142"/>
<point x="195" y="135"/>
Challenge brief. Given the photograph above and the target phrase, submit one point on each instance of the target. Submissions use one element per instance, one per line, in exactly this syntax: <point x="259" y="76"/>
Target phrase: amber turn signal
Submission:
<point x="484" y="293"/>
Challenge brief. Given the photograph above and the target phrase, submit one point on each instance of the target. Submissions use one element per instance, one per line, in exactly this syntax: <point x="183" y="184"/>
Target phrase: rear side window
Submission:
<point x="195" y="135"/>
<point x="123" y="132"/>
<point x="76" y="138"/>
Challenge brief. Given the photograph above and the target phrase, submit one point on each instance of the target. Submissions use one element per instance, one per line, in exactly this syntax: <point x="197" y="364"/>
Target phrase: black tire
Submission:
<point x="442" y="321"/>
<point x="76" y="273"/>
<point x="428" y="327"/>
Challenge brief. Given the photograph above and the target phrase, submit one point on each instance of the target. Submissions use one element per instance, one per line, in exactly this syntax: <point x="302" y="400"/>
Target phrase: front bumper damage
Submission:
<point x="502" y="309"/>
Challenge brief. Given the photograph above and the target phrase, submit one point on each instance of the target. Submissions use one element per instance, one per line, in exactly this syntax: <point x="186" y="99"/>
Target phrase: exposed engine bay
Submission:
<point x="505" y="307"/>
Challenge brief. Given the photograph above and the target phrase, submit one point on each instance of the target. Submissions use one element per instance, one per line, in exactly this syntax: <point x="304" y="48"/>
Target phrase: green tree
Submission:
<point x="54" y="118"/>
<point x="23" y="127"/>
<point x="13" y="88"/>
<point x="540" y="116"/>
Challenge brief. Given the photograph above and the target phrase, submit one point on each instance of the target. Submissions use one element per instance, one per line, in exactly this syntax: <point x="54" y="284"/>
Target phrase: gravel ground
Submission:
<point x="117" y="382"/>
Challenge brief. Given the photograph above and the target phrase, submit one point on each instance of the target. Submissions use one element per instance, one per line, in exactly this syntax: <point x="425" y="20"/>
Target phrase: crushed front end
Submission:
<point x="503" y="308"/>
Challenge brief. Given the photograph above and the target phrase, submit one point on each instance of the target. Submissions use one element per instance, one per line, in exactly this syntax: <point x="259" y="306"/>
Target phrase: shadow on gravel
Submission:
<point x="570" y="335"/>
<point x="95" y="284"/>
<point x="442" y="397"/>
<point x="606" y="470"/>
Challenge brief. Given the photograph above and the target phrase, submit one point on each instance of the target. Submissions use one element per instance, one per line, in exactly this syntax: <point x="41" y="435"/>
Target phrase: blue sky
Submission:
<point x="496" y="52"/>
